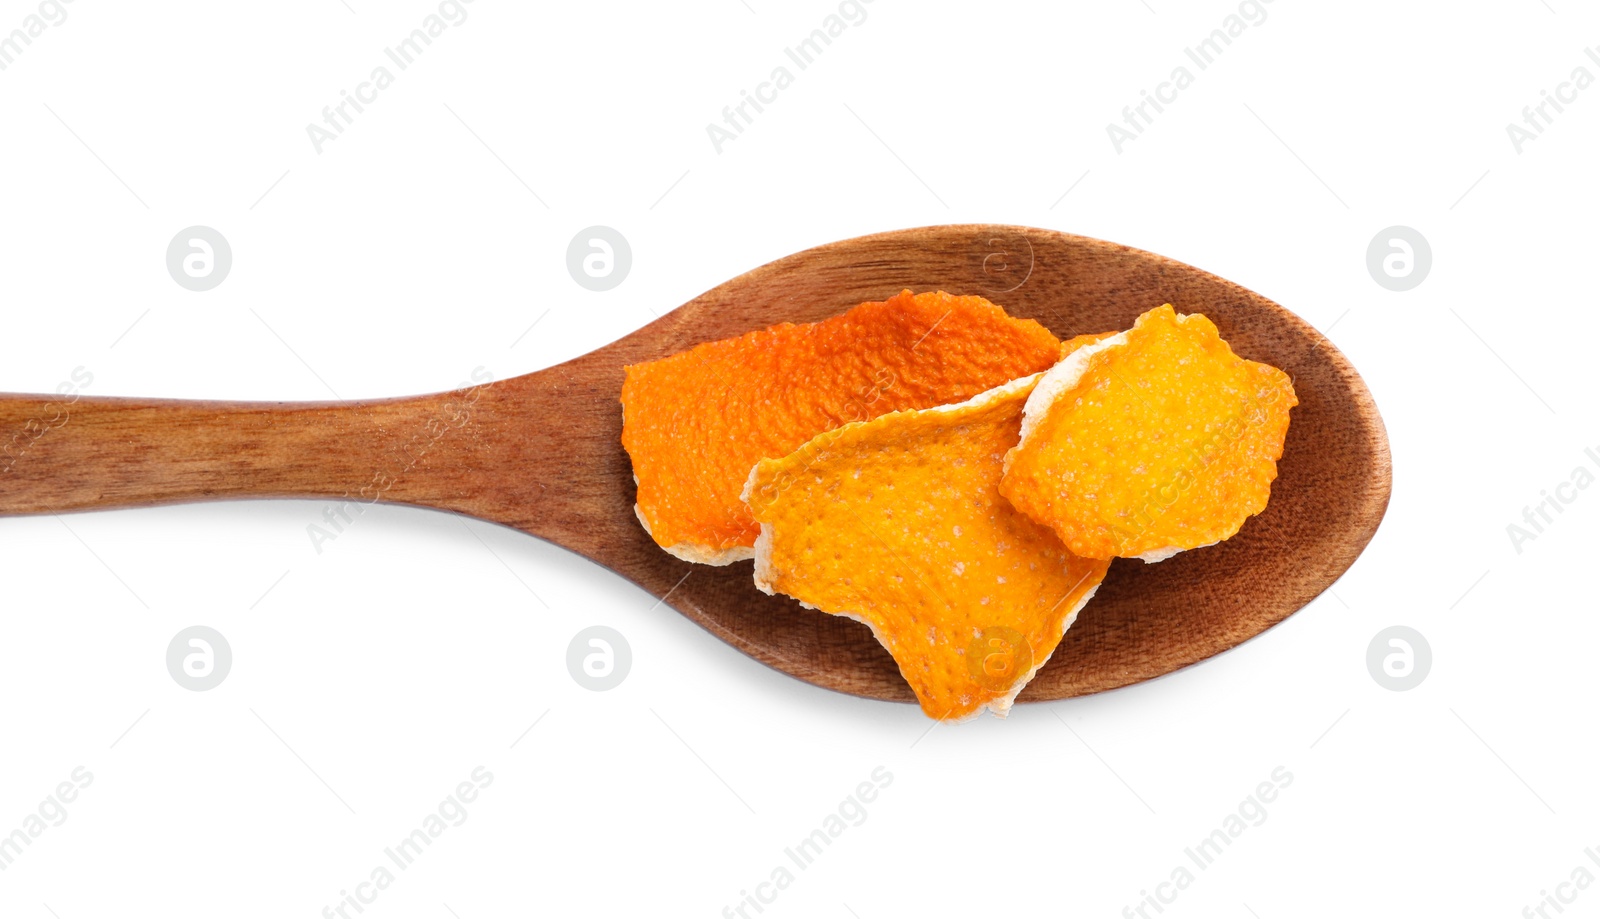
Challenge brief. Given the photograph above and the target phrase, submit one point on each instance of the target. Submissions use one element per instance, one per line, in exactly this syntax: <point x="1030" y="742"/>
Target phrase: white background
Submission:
<point x="370" y="679"/>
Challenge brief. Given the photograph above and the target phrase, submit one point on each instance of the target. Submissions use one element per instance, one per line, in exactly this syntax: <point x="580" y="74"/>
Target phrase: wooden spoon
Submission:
<point x="542" y="453"/>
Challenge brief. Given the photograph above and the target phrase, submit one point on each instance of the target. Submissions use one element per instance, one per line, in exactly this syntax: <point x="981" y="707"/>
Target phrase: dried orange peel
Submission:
<point x="899" y="522"/>
<point x="1149" y="442"/>
<point x="695" y="423"/>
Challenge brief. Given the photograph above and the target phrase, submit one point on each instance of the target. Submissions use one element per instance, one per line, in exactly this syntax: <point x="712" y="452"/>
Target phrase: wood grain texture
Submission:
<point x="542" y="453"/>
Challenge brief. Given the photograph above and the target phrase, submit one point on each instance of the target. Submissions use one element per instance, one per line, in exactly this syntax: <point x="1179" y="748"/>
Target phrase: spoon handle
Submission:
<point x="63" y="453"/>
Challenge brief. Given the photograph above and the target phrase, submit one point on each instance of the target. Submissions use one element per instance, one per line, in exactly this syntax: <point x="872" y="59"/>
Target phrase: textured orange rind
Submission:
<point x="898" y="522"/>
<point x="696" y="422"/>
<point x="1151" y="441"/>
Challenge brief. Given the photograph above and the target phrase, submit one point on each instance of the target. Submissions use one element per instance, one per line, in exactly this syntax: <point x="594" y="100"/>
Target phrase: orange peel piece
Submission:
<point x="695" y="423"/>
<point x="1150" y="442"/>
<point x="898" y="522"/>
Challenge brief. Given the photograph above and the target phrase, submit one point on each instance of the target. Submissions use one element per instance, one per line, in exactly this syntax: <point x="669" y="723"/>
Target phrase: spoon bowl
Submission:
<point x="542" y="453"/>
